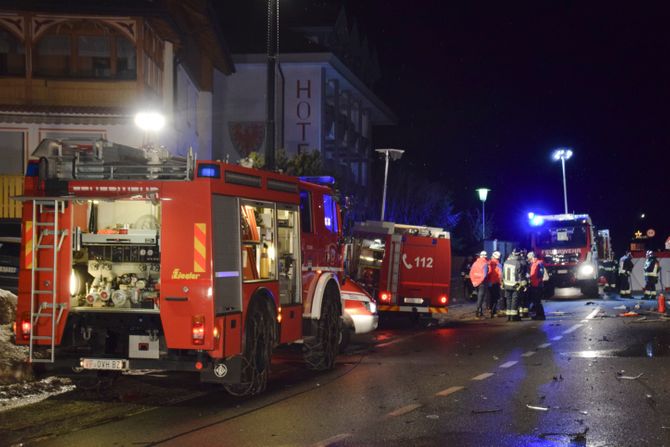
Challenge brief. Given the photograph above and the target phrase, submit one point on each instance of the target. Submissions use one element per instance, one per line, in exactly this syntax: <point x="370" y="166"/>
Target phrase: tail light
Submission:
<point x="385" y="297"/>
<point x="198" y="330"/>
<point x="26" y="327"/>
<point x="444" y="299"/>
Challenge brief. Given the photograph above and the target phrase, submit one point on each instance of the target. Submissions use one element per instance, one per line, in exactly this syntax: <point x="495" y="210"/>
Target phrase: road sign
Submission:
<point x="651" y="232"/>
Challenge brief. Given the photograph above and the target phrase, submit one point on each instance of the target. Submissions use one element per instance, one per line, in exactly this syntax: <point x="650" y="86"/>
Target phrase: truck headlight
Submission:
<point x="373" y="307"/>
<point x="586" y="270"/>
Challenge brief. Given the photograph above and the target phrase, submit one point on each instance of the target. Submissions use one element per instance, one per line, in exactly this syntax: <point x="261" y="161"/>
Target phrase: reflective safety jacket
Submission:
<point x="495" y="274"/>
<point x="625" y="265"/>
<point x="514" y="273"/>
<point x="536" y="276"/>
<point x="651" y="267"/>
<point x="479" y="271"/>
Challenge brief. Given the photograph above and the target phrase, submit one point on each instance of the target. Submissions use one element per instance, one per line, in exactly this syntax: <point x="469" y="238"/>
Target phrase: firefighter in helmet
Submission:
<point x="514" y="282"/>
<point x="536" y="289"/>
<point x="609" y="267"/>
<point x="495" y="281"/>
<point x="652" y="269"/>
<point x="524" y="299"/>
<point x="478" y="275"/>
<point x="625" y="270"/>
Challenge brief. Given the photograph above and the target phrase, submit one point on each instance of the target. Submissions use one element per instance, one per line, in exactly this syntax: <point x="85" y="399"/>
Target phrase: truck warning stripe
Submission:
<point x="29" y="245"/>
<point x="199" y="247"/>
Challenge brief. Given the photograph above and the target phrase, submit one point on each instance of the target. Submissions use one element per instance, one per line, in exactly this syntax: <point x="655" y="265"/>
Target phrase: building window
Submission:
<point x="12" y="152"/>
<point x="12" y="55"/>
<point x="85" y="50"/>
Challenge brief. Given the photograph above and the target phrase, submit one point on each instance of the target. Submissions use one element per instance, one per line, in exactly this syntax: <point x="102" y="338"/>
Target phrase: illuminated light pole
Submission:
<point x="394" y="154"/>
<point x="483" y="193"/>
<point x="563" y="154"/>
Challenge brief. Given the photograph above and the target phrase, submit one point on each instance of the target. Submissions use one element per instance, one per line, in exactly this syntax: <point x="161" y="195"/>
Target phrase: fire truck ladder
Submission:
<point x="43" y="301"/>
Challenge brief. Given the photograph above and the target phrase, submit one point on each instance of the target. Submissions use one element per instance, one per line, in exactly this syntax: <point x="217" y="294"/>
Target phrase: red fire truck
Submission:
<point x="406" y="267"/>
<point x="567" y="244"/>
<point x="133" y="259"/>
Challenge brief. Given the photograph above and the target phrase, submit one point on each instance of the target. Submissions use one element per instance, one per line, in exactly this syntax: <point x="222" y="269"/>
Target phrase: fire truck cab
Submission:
<point x="567" y="244"/>
<point x="406" y="267"/>
<point x="134" y="259"/>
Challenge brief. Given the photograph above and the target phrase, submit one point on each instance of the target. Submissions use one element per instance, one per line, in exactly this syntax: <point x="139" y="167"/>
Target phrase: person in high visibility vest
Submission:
<point x="625" y="270"/>
<point x="478" y="275"/>
<point x="609" y="267"/>
<point x="536" y="289"/>
<point x="651" y="271"/>
<point x="514" y="281"/>
<point x="495" y="281"/>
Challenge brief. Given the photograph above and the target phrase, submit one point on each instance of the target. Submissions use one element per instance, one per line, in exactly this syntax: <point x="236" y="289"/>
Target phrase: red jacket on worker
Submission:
<point x="536" y="273"/>
<point x="479" y="271"/>
<point x="495" y="274"/>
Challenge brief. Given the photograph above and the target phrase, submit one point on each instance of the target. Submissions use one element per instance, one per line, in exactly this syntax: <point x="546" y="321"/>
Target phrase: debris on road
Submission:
<point x="590" y="303"/>
<point x="622" y="307"/>
<point x="491" y="410"/>
<point x="433" y="416"/>
<point x="629" y="314"/>
<point x="622" y="377"/>
<point x="536" y="408"/>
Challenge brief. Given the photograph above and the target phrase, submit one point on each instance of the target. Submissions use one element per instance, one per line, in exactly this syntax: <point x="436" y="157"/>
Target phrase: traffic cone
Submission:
<point x="661" y="303"/>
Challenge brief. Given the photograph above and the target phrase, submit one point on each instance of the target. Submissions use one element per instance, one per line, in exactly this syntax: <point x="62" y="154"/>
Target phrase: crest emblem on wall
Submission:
<point x="246" y="136"/>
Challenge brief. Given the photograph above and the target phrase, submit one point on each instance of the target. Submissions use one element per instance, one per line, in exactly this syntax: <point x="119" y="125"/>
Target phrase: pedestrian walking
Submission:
<point x="495" y="281"/>
<point x="625" y="270"/>
<point x="536" y="289"/>
<point x="514" y="281"/>
<point x="651" y="271"/>
<point x="478" y="275"/>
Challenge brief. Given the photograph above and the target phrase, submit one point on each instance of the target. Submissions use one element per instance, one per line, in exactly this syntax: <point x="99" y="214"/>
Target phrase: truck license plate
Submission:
<point x="109" y="364"/>
<point x="414" y="300"/>
<point x="561" y="271"/>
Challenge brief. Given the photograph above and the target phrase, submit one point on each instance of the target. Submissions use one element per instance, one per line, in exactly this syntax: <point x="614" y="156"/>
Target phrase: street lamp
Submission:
<point x="150" y="121"/>
<point x="563" y="154"/>
<point x="394" y="154"/>
<point x="483" y="193"/>
<point x="272" y="50"/>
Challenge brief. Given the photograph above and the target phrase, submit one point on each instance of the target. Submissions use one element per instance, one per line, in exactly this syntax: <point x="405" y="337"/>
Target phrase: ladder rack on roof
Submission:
<point x="102" y="160"/>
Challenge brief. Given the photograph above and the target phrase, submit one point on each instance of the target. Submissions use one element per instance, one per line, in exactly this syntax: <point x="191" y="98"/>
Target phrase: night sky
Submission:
<point x="484" y="93"/>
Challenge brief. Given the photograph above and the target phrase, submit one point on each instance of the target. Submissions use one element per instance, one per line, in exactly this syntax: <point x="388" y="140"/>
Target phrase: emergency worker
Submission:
<point x="468" y="289"/>
<point x="514" y="280"/>
<point x="610" y="273"/>
<point x="495" y="281"/>
<point x="478" y="275"/>
<point x="625" y="270"/>
<point x="524" y="295"/>
<point x="651" y="272"/>
<point x="536" y="289"/>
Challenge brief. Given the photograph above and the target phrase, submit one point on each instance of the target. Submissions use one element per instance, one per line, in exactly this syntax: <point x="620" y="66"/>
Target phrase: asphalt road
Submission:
<point x="585" y="376"/>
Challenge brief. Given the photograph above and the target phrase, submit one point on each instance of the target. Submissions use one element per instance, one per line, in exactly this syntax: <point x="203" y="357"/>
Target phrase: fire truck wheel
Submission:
<point x="345" y="338"/>
<point x="320" y="350"/>
<point x="258" y="343"/>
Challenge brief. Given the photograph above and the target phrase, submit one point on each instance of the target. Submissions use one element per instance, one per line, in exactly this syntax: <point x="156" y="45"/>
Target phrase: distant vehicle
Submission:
<point x="10" y="248"/>
<point x="407" y="268"/>
<point x="360" y="311"/>
<point x="568" y="246"/>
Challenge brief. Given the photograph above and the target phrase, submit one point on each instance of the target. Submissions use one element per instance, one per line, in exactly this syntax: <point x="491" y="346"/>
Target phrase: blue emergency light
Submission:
<point x="209" y="170"/>
<point x="319" y="179"/>
<point x="535" y="220"/>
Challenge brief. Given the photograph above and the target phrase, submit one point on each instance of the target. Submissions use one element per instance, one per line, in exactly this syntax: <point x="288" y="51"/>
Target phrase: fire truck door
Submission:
<point x="226" y="254"/>
<point x="417" y="268"/>
<point x="289" y="269"/>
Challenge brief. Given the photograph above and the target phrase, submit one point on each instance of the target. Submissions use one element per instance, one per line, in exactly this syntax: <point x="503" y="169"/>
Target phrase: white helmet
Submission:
<point x="531" y="255"/>
<point x="482" y="254"/>
<point x="496" y="255"/>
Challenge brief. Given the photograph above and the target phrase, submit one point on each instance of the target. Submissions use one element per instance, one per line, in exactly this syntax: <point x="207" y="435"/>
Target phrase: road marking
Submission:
<point x="450" y="390"/>
<point x="509" y="364"/>
<point x="332" y="440"/>
<point x="544" y="345"/>
<point x="482" y="376"/>
<point x="572" y="329"/>
<point x="404" y="410"/>
<point x="397" y="340"/>
<point x="528" y="354"/>
<point x="558" y="337"/>
<point x="593" y="314"/>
